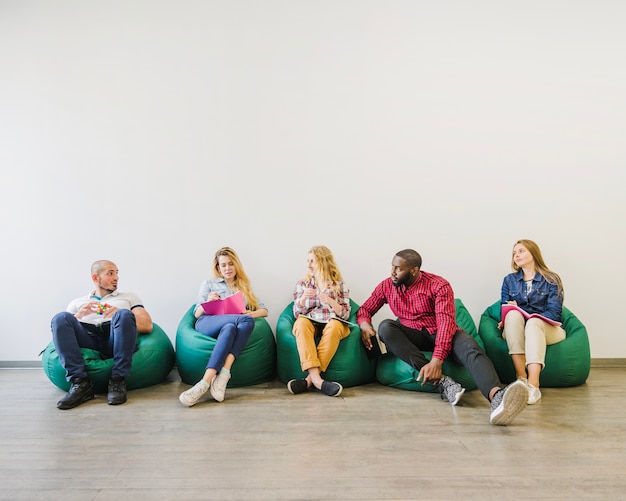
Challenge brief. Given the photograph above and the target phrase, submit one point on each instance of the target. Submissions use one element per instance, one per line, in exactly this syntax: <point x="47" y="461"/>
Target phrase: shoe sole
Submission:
<point x="513" y="402"/>
<point x="113" y="401"/>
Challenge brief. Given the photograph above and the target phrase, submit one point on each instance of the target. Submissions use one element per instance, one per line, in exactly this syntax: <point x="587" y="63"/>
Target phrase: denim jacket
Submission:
<point x="543" y="297"/>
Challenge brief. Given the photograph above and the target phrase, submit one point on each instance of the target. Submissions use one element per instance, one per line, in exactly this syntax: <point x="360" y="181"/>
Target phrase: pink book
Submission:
<point x="233" y="304"/>
<point x="509" y="307"/>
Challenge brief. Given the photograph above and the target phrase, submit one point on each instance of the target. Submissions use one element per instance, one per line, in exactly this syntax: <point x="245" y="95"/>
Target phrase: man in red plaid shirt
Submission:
<point x="424" y="306"/>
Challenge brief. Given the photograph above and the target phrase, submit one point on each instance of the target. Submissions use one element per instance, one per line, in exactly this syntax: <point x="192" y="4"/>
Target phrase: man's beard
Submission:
<point x="402" y="282"/>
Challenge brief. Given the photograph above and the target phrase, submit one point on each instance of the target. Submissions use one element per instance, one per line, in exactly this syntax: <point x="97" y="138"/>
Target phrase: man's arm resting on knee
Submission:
<point x="143" y="319"/>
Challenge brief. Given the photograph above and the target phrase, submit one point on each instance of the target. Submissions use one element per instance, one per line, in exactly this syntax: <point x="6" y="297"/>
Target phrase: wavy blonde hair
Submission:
<point x="540" y="265"/>
<point x="326" y="271"/>
<point x="241" y="282"/>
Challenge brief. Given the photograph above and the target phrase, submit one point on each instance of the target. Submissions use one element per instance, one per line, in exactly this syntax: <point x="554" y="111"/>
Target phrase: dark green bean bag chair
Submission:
<point x="350" y="366"/>
<point x="152" y="362"/>
<point x="255" y="365"/>
<point x="567" y="363"/>
<point x="392" y="371"/>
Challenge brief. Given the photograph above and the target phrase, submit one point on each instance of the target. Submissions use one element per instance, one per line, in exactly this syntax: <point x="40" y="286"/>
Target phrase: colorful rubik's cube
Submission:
<point x="102" y="308"/>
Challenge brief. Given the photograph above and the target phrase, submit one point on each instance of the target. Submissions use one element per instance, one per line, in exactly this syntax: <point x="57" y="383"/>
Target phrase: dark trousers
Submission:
<point x="116" y="339"/>
<point x="408" y="345"/>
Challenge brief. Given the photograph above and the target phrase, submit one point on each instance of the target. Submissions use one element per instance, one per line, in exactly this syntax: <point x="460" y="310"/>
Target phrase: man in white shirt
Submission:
<point x="105" y="320"/>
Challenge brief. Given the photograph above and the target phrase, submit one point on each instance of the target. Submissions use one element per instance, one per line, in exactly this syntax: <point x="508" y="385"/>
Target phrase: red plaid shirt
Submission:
<point x="428" y="303"/>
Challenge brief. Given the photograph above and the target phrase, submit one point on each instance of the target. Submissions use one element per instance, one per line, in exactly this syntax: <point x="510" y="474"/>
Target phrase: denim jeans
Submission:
<point x="116" y="339"/>
<point x="407" y="344"/>
<point x="231" y="332"/>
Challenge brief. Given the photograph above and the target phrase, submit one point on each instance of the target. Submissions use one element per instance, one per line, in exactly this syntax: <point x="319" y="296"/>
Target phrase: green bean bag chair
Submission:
<point x="152" y="362"/>
<point x="255" y="365"/>
<point x="350" y="366"/>
<point x="391" y="371"/>
<point x="567" y="363"/>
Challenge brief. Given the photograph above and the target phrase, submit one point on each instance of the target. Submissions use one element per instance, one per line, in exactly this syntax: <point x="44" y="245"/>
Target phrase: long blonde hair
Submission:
<point x="326" y="270"/>
<point x="241" y="281"/>
<point x="540" y="265"/>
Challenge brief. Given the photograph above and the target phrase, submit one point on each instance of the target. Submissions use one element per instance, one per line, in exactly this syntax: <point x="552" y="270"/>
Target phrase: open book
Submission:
<point x="351" y="324"/>
<point x="233" y="304"/>
<point x="510" y="307"/>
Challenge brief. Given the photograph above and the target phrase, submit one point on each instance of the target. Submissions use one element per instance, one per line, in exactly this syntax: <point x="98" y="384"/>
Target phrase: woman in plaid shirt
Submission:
<point x="321" y="307"/>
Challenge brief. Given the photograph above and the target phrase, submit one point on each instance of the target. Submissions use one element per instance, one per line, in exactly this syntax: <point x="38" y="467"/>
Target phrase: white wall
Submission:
<point x="153" y="132"/>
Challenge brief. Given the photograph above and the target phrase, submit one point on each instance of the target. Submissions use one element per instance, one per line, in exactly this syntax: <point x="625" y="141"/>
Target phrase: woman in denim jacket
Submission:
<point x="535" y="289"/>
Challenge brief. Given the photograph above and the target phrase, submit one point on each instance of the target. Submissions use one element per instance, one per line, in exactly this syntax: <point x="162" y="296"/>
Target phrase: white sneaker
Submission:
<point x="194" y="394"/>
<point x="534" y="395"/>
<point x="218" y="386"/>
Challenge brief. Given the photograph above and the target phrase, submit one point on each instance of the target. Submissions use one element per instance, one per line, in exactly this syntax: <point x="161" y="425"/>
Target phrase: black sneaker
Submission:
<point x="117" y="390"/>
<point x="296" y="386"/>
<point x="80" y="391"/>
<point x="450" y="390"/>
<point x="331" y="388"/>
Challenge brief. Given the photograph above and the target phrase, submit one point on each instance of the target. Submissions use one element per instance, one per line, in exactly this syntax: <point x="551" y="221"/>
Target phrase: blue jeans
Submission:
<point x="407" y="344"/>
<point x="116" y="339"/>
<point x="231" y="332"/>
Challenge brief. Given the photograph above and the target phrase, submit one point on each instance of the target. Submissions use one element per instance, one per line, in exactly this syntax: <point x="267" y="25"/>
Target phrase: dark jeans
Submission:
<point x="407" y="344"/>
<point x="116" y="339"/>
<point x="231" y="332"/>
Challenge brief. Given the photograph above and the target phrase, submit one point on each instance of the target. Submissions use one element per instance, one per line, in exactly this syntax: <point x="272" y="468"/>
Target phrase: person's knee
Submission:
<point x="534" y="327"/>
<point x="466" y="344"/>
<point x="246" y="322"/>
<point x="386" y="329"/>
<point x="64" y="317"/>
<point x="124" y="319"/>
<point x="123" y="315"/>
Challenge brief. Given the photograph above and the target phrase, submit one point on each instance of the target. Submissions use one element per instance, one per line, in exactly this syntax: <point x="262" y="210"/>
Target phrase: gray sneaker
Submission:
<point x="218" y="386"/>
<point x="508" y="403"/>
<point x="450" y="390"/>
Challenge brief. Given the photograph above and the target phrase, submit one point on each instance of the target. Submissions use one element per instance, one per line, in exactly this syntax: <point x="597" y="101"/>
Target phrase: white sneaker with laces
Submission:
<point x="218" y="386"/>
<point x="534" y="395"/>
<point x="194" y="394"/>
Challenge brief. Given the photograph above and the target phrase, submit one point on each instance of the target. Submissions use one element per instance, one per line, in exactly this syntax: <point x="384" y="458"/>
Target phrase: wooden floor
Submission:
<point x="262" y="443"/>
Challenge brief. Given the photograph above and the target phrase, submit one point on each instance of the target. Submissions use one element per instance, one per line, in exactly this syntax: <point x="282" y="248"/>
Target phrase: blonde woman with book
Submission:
<point x="321" y="307"/>
<point x="231" y="331"/>
<point x="536" y="289"/>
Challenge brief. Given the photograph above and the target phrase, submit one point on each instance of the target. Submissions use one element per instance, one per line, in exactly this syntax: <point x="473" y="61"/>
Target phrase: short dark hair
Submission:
<point x="410" y="256"/>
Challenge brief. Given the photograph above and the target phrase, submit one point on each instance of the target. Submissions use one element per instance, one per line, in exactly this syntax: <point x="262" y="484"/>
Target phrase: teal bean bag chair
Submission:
<point x="567" y="363"/>
<point x="350" y="366"/>
<point x="152" y="362"/>
<point x="255" y="365"/>
<point x="391" y="371"/>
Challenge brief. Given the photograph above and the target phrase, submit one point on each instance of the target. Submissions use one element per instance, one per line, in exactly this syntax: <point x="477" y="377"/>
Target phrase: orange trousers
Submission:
<point x="318" y="356"/>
